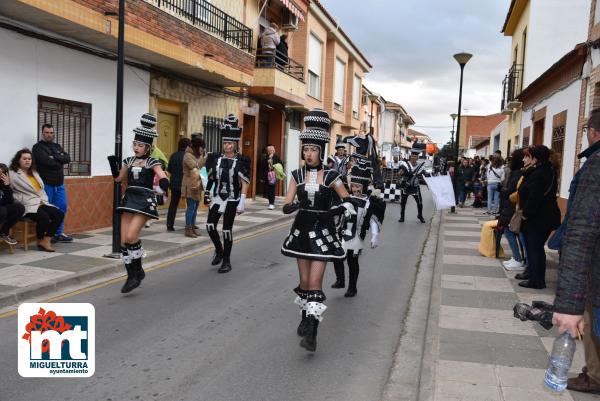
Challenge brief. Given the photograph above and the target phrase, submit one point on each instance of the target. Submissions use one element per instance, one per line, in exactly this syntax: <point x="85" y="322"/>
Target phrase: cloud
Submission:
<point x="410" y="44"/>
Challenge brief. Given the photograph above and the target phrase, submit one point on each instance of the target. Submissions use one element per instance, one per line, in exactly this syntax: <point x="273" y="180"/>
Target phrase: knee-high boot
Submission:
<point x="301" y="302"/>
<point x="216" y="240"/>
<point x="132" y="278"/>
<point x="227" y="244"/>
<point x="314" y="315"/>
<point x="420" y="211"/>
<point x="340" y="279"/>
<point x="353" y="273"/>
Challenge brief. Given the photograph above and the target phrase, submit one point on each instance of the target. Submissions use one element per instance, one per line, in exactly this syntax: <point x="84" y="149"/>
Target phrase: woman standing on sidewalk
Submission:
<point x="139" y="202"/>
<point x="507" y="209"/>
<point x="495" y="175"/>
<point x="541" y="215"/>
<point x="313" y="238"/>
<point x="191" y="186"/>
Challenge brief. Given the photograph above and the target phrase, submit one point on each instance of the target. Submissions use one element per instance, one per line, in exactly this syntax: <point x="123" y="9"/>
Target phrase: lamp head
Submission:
<point x="463" y="58"/>
<point x="373" y="97"/>
<point x="453" y="116"/>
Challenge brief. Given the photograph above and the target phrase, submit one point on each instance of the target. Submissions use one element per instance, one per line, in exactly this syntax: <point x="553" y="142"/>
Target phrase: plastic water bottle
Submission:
<point x="560" y="362"/>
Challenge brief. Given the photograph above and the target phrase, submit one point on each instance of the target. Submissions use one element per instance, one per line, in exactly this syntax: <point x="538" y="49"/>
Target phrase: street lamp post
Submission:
<point x="116" y="232"/>
<point x="462" y="59"/>
<point x="377" y="177"/>
<point x="453" y="116"/>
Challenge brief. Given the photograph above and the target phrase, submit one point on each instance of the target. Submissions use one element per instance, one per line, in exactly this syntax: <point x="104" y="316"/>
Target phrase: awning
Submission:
<point x="293" y="9"/>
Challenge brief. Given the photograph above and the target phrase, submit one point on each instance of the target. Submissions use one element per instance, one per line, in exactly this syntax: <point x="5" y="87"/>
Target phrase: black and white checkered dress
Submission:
<point x="139" y="196"/>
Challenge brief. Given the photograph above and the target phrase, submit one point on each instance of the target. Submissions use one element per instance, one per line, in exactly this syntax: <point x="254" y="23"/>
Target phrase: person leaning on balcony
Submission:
<point x="10" y="211"/>
<point x="191" y="185"/>
<point x="269" y="41"/>
<point x="28" y="189"/>
<point x="50" y="159"/>
<point x="282" y="52"/>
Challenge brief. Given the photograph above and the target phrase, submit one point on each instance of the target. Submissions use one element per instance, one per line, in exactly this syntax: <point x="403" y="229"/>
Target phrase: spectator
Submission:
<point x="464" y="181"/>
<point x="191" y="185"/>
<point x="175" y="171"/>
<point x="268" y="174"/>
<point x="282" y="53"/>
<point x="50" y="158"/>
<point x="577" y="302"/>
<point x="10" y="211"/>
<point x="269" y="40"/>
<point x="507" y="209"/>
<point x="541" y="215"/>
<point x="495" y="176"/>
<point x="28" y="190"/>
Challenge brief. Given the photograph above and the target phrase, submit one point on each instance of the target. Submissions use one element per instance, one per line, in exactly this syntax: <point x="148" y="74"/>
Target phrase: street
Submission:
<point x="191" y="334"/>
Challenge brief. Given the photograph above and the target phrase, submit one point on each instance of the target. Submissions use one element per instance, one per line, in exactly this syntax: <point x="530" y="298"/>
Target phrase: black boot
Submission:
<point x="401" y="219"/>
<point x="136" y="252"/>
<point x="303" y="326"/>
<point x="217" y="258"/>
<point x="132" y="281"/>
<point x="353" y="272"/>
<point x="340" y="279"/>
<point x="309" y="340"/>
<point x="420" y="215"/>
<point x="137" y="267"/>
<point x="225" y="266"/>
<point x="421" y="219"/>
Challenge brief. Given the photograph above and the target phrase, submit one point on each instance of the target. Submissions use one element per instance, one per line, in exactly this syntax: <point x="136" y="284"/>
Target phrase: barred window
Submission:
<point x="72" y="122"/>
<point x="212" y="133"/>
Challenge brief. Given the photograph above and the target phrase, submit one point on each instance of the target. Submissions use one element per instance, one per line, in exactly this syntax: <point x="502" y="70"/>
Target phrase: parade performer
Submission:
<point x="228" y="179"/>
<point x="365" y="153"/>
<point x="339" y="160"/>
<point x="411" y="172"/>
<point x="370" y="211"/>
<point x="313" y="239"/>
<point x="138" y="204"/>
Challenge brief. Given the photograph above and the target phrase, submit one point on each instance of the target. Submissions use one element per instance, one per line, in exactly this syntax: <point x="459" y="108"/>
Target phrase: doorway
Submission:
<point x="167" y="128"/>
<point x="538" y="132"/>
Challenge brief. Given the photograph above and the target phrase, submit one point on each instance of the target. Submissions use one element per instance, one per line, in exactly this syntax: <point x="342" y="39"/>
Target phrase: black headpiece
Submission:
<point x="316" y="129"/>
<point x="362" y="176"/>
<point x="146" y="133"/>
<point x="230" y="132"/>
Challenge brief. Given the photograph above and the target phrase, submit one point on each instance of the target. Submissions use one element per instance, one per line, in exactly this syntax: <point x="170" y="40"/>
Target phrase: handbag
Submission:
<point x="272" y="178"/>
<point x="517" y="217"/>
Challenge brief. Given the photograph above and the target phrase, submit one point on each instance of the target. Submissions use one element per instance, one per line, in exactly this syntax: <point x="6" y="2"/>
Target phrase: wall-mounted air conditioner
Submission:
<point x="290" y="21"/>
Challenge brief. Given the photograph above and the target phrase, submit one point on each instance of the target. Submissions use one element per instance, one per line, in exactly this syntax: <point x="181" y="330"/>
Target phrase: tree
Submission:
<point x="448" y="151"/>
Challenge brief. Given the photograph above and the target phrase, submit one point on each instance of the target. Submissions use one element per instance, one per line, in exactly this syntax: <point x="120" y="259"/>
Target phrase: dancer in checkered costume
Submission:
<point x="411" y="171"/>
<point x="228" y="180"/>
<point x="313" y="239"/>
<point x="391" y="183"/>
<point x="138" y="204"/>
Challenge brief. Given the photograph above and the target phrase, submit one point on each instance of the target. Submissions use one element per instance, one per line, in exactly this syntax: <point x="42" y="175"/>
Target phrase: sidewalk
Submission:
<point x="25" y="275"/>
<point x="477" y="349"/>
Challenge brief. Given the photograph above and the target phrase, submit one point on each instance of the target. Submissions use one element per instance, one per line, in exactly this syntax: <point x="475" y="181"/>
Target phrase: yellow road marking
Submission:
<point x="157" y="267"/>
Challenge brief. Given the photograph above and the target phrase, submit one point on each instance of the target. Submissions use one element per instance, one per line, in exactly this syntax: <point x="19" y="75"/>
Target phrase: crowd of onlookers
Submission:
<point x="32" y="188"/>
<point x="521" y="193"/>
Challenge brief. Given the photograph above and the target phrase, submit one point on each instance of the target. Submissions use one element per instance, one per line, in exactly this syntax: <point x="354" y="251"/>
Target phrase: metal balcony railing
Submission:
<point x="280" y="61"/>
<point x="202" y="14"/>
<point x="512" y="85"/>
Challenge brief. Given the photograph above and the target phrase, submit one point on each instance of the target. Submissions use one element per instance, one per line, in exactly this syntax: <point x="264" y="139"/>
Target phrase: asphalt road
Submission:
<point x="191" y="334"/>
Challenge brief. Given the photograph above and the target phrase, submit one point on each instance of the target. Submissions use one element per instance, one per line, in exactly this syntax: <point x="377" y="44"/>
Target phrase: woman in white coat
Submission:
<point x="28" y="189"/>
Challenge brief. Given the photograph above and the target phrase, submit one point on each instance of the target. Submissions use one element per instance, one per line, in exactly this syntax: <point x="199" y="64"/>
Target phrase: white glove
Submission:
<point x="241" y="207"/>
<point x="374" y="241"/>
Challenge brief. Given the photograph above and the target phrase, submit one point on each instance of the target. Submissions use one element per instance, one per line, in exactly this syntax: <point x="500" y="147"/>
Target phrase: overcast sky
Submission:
<point x="410" y="44"/>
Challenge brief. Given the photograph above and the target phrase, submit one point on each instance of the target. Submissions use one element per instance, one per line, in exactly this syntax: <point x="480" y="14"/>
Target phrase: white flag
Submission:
<point x="442" y="191"/>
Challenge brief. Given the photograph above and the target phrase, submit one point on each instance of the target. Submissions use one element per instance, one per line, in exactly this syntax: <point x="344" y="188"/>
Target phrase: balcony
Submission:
<point x="191" y="38"/>
<point x="279" y="78"/>
<point x="512" y="85"/>
<point x="205" y="16"/>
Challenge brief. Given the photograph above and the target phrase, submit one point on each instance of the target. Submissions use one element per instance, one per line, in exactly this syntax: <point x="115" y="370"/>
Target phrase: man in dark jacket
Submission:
<point x="175" y="171"/>
<point x="578" y="289"/>
<point x="50" y="158"/>
<point x="10" y="211"/>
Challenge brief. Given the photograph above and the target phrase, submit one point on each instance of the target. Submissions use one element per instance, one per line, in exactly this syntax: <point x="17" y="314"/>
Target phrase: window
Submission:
<point x="356" y="96"/>
<point x="295" y="119"/>
<point x="315" y="50"/>
<point x="72" y="123"/>
<point x="340" y="79"/>
<point x="212" y="133"/>
<point x="199" y="9"/>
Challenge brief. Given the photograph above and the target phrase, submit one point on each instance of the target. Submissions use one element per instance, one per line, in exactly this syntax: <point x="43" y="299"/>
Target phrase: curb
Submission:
<point x="410" y="374"/>
<point x="114" y="268"/>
